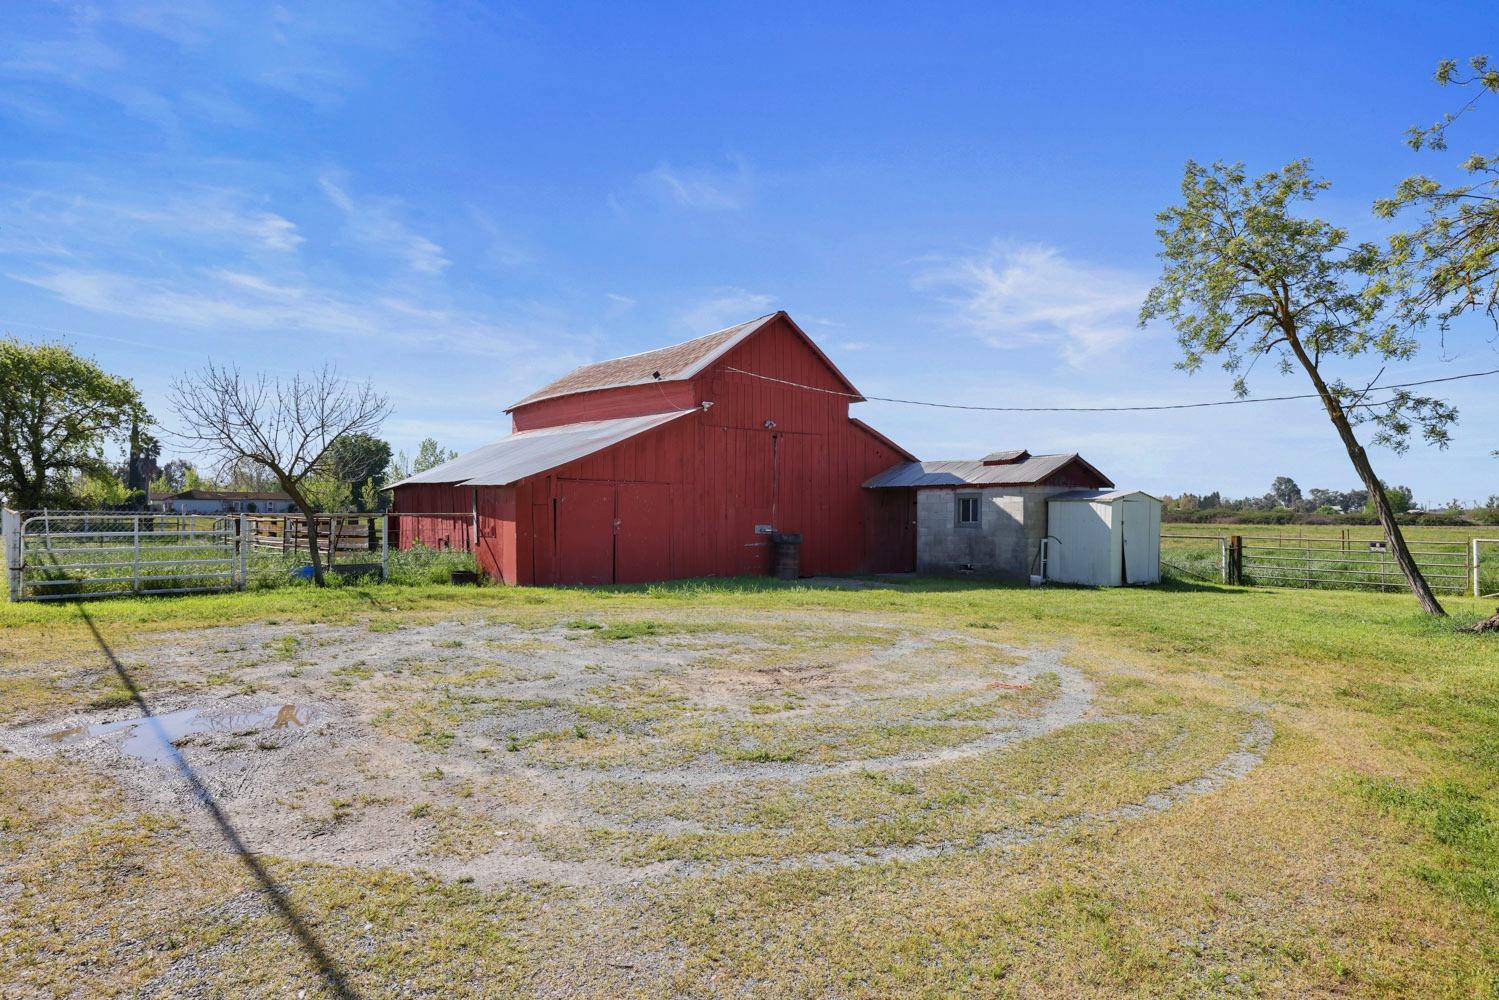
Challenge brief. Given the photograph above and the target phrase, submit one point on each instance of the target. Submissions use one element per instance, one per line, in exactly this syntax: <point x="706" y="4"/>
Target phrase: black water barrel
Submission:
<point x="786" y="555"/>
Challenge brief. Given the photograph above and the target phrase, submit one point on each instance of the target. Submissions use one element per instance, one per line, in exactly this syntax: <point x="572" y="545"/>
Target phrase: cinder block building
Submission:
<point x="986" y="517"/>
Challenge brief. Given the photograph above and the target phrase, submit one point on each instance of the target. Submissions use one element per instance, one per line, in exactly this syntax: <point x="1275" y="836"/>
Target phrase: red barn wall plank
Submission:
<point x="605" y="404"/>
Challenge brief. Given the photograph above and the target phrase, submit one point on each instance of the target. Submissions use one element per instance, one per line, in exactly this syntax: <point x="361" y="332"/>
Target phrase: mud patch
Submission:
<point x="154" y="738"/>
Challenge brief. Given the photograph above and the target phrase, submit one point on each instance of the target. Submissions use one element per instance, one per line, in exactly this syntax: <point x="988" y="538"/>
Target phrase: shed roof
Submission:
<point x="526" y="453"/>
<point x="1105" y="496"/>
<point x="666" y="364"/>
<point x="1027" y="472"/>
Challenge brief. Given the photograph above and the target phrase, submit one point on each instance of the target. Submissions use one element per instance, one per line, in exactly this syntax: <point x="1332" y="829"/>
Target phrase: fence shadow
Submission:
<point x="331" y="974"/>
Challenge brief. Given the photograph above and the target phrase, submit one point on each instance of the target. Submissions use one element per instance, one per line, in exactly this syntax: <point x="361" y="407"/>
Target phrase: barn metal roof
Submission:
<point x="527" y="453"/>
<point x="975" y="473"/>
<point x="666" y="364"/>
<point x="670" y="364"/>
<point x="1096" y="495"/>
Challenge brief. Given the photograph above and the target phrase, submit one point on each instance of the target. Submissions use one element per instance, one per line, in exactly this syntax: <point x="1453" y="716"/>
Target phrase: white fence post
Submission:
<point x="10" y="526"/>
<point x="244" y="550"/>
<point x="135" y="564"/>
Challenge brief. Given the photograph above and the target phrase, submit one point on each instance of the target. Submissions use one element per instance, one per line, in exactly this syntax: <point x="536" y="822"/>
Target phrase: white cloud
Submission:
<point x="217" y="217"/>
<point x="372" y="222"/>
<point x="1024" y="295"/>
<point x="853" y="345"/>
<point x="698" y="188"/>
<point x="724" y="308"/>
<point x="229" y="301"/>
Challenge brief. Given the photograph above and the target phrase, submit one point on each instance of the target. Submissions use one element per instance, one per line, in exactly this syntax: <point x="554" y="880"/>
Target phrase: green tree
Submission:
<point x="1285" y="491"/>
<point x="1244" y="276"/>
<point x="1399" y="498"/>
<point x="1449" y="263"/>
<point x="101" y="489"/>
<point x="57" y="409"/>
<point x="359" y="460"/>
<point x="430" y="454"/>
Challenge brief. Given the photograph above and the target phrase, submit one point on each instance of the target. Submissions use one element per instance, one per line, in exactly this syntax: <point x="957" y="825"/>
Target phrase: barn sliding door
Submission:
<point x="585" y="532"/>
<point x="613" y="532"/>
<point x="642" y="533"/>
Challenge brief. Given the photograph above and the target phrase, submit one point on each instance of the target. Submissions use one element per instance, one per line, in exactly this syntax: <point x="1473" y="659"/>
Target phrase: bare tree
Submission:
<point x="285" y="426"/>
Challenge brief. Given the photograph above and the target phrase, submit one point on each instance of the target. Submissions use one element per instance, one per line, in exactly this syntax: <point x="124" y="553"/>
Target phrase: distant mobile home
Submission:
<point x="227" y="502"/>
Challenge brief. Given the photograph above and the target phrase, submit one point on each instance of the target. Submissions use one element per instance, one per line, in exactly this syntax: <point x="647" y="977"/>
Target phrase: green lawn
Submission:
<point x="1360" y="858"/>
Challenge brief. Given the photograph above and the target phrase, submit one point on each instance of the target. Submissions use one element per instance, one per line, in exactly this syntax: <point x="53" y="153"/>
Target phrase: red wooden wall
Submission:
<point x="448" y="532"/>
<point x="605" y="404"/>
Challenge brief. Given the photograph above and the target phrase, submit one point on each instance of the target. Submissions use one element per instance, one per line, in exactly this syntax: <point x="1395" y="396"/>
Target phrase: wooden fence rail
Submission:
<point x="355" y="532"/>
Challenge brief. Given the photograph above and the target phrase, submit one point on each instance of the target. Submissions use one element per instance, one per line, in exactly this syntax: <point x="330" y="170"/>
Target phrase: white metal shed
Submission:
<point x="1103" y="539"/>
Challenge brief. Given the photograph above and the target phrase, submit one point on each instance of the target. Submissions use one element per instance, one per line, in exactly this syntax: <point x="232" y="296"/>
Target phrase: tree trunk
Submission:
<point x="1360" y="460"/>
<point x="294" y="490"/>
<point x="310" y="519"/>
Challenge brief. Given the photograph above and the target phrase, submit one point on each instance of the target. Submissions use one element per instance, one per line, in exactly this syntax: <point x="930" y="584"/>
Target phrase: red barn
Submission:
<point x="674" y="463"/>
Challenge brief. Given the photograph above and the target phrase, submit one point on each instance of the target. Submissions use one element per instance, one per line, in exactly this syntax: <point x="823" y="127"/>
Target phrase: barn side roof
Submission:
<point x="975" y="473"/>
<point x="527" y="453"/>
<point x="666" y="364"/>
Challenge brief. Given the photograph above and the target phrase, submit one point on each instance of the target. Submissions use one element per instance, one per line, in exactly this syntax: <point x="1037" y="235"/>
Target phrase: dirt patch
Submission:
<point x="495" y="753"/>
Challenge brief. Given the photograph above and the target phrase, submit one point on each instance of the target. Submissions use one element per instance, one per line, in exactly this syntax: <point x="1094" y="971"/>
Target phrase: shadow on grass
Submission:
<point x="894" y="583"/>
<point x="331" y="974"/>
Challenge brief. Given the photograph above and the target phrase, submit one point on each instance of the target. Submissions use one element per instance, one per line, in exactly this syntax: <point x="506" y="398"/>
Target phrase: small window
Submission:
<point x="968" y="510"/>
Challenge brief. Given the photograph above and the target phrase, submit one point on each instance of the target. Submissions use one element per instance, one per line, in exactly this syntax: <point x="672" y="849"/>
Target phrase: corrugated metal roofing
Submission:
<point x="528" y="452"/>
<point x="1003" y="457"/>
<point x="1104" y="495"/>
<point x="967" y="473"/>
<point x="680" y="361"/>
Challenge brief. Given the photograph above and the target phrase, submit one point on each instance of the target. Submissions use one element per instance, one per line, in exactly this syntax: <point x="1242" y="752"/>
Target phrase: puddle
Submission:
<point x="153" y="738"/>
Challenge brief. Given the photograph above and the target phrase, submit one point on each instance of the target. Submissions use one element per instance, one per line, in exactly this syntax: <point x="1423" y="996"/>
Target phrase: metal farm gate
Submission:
<point x="1345" y="560"/>
<point x="53" y="556"/>
<point x="1285" y="561"/>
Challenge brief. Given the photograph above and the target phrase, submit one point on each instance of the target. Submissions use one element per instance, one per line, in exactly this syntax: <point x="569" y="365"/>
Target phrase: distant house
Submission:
<point x="989" y="517"/>
<point x="227" y="502"/>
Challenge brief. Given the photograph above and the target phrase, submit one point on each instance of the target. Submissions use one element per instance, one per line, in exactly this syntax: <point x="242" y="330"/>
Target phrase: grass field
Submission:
<point x="930" y="789"/>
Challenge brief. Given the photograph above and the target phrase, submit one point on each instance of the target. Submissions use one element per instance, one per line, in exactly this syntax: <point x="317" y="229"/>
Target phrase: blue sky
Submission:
<point x="460" y="201"/>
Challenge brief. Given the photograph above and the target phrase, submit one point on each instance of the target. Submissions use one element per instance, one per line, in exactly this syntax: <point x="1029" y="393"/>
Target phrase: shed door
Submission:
<point x="642" y="540"/>
<point x="585" y="532"/>
<point x="1083" y="550"/>
<point x="1142" y="542"/>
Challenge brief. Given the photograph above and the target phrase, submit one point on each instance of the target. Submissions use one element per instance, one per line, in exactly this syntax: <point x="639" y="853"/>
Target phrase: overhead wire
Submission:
<point x="1107" y="409"/>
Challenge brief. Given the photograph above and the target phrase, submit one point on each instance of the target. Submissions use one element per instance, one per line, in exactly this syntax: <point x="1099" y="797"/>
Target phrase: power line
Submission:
<point x="1100" y="409"/>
